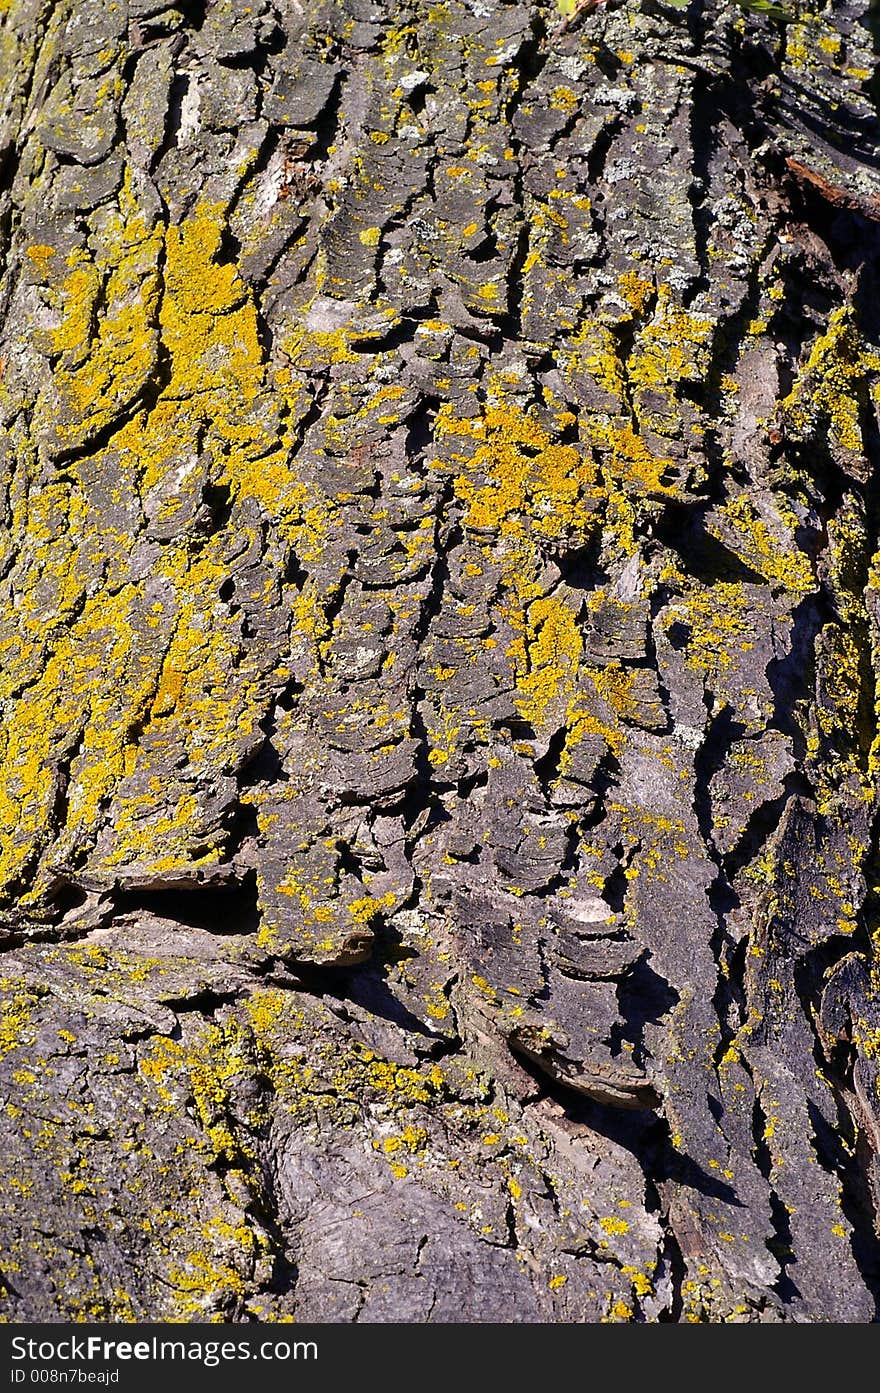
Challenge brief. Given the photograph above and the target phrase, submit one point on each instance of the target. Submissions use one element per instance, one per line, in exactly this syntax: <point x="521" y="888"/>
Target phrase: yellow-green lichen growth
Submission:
<point x="831" y="390"/>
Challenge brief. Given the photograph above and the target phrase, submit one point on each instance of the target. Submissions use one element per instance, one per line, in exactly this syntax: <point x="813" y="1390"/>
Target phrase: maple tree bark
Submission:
<point x="439" y="617"/>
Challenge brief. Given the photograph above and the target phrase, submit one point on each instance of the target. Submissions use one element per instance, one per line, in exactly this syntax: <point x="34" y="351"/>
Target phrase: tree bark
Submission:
<point x="440" y="627"/>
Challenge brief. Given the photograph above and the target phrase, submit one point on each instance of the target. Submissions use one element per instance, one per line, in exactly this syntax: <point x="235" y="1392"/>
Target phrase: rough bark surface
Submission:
<point x="439" y="650"/>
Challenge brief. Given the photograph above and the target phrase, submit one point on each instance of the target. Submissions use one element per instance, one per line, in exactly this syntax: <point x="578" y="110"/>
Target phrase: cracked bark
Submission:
<point x="440" y="634"/>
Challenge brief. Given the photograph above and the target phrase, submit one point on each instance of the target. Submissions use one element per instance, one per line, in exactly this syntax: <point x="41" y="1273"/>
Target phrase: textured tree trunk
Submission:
<point x="439" y="650"/>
